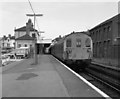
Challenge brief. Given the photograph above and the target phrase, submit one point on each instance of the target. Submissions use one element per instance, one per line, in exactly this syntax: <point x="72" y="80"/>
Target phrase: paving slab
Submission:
<point x="48" y="78"/>
<point x="33" y="81"/>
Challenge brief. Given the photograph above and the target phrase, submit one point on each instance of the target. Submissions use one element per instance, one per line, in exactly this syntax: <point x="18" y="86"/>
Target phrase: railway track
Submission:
<point x="99" y="78"/>
<point x="104" y="81"/>
<point x="101" y="81"/>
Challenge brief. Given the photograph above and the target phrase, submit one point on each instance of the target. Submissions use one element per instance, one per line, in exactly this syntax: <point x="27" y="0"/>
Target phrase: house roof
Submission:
<point x="11" y="38"/>
<point x="25" y="37"/>
<point x="24" y="29"/>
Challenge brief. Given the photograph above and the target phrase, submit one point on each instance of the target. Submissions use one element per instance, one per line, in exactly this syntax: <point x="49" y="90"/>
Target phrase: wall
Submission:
<point x="19" y="34"/>
<point x="7" y="43"/>
<point x="22" y="33"/>
<point x="106" y="46"/>
<point x="23" y="42"/>
<point x="114" y="30"/>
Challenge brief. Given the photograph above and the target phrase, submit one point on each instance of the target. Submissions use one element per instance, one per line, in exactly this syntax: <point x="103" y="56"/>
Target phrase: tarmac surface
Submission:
<point x="48" y="78"/>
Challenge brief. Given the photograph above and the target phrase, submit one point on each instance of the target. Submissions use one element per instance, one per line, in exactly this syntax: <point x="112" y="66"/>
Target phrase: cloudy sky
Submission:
<point x="60" y="17"/>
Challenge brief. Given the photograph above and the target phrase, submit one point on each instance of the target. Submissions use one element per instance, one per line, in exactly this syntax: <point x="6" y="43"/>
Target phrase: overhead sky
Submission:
<point x="60" y="17"/>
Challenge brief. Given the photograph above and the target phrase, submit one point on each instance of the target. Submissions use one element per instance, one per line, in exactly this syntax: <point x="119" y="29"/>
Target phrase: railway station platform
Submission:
<point x="49" y="78"/>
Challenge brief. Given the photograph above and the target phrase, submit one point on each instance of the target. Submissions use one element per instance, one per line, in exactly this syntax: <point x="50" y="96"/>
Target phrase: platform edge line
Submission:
<point x="88" y="83"/>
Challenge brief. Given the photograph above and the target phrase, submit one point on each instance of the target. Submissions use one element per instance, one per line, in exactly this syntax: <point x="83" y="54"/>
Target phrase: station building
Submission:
<point x="42" y="44"/>
<point x="25" y="37"/>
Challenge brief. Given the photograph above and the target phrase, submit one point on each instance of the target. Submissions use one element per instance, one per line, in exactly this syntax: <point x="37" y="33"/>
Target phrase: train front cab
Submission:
<point x="78" y="51"/>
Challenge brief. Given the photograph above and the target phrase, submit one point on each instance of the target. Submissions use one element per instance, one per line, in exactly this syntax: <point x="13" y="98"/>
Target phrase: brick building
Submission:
<point x="106" y="41"/>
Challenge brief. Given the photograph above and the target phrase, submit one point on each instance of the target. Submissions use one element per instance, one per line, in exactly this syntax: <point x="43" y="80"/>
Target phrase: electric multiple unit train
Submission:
<point x="75" y="48"/>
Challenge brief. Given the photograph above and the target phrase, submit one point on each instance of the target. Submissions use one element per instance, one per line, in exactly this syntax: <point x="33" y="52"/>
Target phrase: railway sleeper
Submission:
<point x="108" y="79"/>
<point x="114" y="74"/>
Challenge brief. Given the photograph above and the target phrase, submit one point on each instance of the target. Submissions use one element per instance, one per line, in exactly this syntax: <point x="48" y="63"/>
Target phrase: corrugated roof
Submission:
<point x="25" y="37"/>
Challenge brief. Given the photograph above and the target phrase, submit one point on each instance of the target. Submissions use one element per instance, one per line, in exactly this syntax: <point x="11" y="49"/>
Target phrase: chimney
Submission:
<point x="9" y="35"/>
<point x="29" y="25"/>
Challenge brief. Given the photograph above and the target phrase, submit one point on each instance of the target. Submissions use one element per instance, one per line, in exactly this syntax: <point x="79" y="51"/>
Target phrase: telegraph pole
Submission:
<point x="35" y="39"/>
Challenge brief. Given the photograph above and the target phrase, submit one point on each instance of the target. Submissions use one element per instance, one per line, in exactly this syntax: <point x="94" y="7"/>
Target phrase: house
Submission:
<point x="7" y="42"/>
<point x="24" y="36"/>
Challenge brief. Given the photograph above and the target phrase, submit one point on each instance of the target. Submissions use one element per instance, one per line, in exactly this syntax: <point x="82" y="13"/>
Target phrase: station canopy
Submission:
<point x="44" y="41"/>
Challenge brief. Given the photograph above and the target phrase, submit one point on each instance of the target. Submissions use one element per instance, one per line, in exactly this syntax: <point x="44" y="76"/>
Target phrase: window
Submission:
<point x="87" y="42"/>
<point x="33" y="35"/>
<point x="104" y="29"/>
<point x="96" y="35"/>
<point x="30" y="45"/>
<point x="25" y="45"/>
<point x="68" y="43"/>
<point x="109" y="28"/>
<point x="8" y="45"/>
<point x="99" y="36"/>
<point x="3" y="44"/>
<point x="78" y="42"/>
<point x="19" y="45"/>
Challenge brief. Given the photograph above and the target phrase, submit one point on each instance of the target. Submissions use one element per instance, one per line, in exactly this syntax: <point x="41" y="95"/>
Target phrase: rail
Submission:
<point x="106" y="75"/>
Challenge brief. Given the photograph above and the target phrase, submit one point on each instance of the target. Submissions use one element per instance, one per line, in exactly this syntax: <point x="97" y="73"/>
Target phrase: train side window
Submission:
<point x="87" y="42"/>
<point x="78" y="42"/>
<point x="68" y="43"/>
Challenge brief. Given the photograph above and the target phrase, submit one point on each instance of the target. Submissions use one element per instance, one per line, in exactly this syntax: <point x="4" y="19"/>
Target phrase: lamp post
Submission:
<point x="0" y="56"/>
<point x="35" y="39"/>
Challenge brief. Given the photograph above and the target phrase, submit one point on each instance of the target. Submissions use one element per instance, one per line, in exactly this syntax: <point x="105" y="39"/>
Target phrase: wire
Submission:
<point x="34" y="14"/>
<point x="37" y="25"/>
<point x="31" y="6"/>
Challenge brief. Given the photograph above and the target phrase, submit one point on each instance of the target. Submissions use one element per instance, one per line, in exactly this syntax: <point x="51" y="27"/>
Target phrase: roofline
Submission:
<point x="104" y="22"/>
<point x="25" y="30"/>
<point x="24" y="39"/>
<point x="19" y="38"/>
<point x="83" y="32"/>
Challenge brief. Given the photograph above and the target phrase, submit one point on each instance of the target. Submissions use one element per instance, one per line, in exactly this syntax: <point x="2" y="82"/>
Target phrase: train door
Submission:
<point x="67" y="48"/>
<point x="87" y="48"/>
<point x="76" y="48"/>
